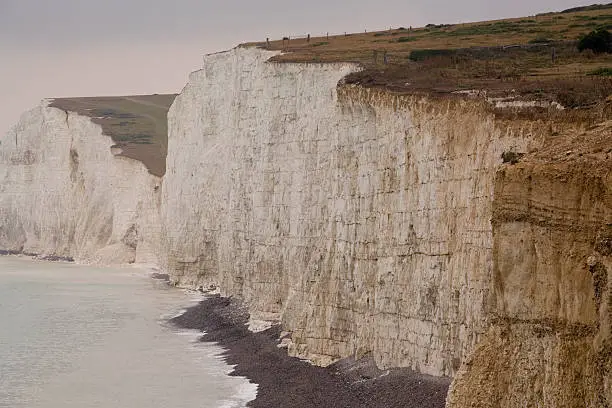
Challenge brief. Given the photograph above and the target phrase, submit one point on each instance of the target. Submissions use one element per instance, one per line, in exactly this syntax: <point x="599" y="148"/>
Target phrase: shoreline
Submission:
<point x="288" y="381"/>
<point x="57" y="353"/>
<point x="37" y="257"/>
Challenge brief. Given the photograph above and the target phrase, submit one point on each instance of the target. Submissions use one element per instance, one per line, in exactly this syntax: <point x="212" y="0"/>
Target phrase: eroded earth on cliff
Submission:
<point x="549" y="342"/>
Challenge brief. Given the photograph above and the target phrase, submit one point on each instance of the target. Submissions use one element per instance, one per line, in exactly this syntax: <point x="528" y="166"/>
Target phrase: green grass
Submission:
<point x="604" y="71"/>
<point x="540" y="40"/>
<point x="499" y="27"/>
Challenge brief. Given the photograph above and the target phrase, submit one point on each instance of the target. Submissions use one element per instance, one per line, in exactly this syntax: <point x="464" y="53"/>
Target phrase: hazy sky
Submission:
<point x="116" y="47"/>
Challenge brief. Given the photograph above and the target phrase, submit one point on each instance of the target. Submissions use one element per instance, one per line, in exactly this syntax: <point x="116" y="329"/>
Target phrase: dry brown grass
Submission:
<point x="138" y="124"/>
<point x="527" y="69"/>
<point x="359" y="47"/>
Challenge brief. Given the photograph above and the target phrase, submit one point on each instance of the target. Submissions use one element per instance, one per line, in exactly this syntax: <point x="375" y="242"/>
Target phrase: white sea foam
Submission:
<point x="245" y="393"/>
<point x="172" y="315"/>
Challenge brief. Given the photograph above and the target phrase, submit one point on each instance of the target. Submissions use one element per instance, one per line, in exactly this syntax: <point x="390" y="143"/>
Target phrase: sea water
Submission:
<point x="79" y="336"/>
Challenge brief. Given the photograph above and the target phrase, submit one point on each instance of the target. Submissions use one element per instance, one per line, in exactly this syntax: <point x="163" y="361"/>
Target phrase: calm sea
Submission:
<point x="78" y="336"/>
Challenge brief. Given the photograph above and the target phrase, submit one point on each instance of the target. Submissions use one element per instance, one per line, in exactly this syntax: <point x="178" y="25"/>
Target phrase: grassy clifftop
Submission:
<point x="137" y="124"/>
<point x="534" y="56"/>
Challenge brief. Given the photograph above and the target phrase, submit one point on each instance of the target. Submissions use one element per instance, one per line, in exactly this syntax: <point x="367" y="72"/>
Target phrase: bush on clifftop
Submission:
<point x="599" y="41"/>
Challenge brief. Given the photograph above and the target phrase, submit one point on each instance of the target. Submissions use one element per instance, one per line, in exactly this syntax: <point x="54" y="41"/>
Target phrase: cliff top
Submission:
<point x="138" y="124"/>
<point x="513" y="54"/>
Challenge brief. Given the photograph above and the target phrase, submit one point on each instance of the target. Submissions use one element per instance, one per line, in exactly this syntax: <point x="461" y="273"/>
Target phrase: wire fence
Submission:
<point x="381" y="55"/>
<point x="301" y="39"/>
<point x="332" y="34"/>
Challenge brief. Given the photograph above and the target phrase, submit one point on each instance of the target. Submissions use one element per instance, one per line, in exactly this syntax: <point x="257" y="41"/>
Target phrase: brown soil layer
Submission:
<point x="286" y="381"/>
<point x="137" y="124"/>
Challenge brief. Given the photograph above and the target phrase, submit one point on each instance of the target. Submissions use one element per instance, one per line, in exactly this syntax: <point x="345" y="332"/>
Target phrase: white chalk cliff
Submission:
<point x="63" y="193"/>
<point x="359" y="219"/>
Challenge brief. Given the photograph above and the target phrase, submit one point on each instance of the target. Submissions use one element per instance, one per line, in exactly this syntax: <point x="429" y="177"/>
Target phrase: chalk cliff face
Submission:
<point x="365" y="222"/>
<point x="359" y="219"/>
<point x="63" y="193"/>
<point x="550" y="342"/>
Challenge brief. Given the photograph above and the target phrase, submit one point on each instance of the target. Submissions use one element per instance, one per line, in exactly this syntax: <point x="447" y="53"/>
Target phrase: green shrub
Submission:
<point x="599" y="41"/>
<point x="588" y="8"/>
<point x="607" y="71"/>
<point x="585" y="18"/>
<point x="406" y="39"/>
<point x="511" y="157"/>
<point x="438" y="25"/>
<point x="421" y="55"/>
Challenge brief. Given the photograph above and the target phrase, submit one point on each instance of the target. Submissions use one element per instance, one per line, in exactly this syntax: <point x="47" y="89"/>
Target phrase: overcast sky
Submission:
<point x="54" y="48"/>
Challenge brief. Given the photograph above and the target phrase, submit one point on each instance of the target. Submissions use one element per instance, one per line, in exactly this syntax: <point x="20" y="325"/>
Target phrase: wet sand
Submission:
<point x="289" y="382"/>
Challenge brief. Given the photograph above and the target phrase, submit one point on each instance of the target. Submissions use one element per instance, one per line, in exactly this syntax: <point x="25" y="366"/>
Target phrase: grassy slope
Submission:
<point x="465" y="64"/>
<point x="136" y="123"/>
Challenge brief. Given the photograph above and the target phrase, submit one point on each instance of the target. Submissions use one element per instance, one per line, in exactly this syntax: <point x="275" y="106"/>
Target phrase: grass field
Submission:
<point x="137" y="124"/>
<point x="512" y="54"/>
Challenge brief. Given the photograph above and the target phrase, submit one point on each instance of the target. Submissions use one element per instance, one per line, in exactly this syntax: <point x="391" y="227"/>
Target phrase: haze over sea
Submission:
<point x="78" y="336"/>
